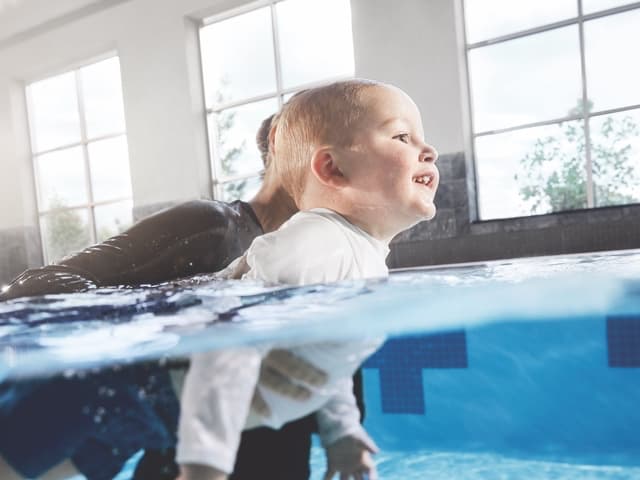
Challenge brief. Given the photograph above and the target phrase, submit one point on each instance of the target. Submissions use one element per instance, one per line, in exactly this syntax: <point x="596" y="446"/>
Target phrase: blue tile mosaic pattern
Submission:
<point x="401" y="360"/>
<point x="623" y="341"/>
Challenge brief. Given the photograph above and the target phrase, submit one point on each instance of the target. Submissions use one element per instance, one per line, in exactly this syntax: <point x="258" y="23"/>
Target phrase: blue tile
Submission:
<point x="623" y="341"/>
<point x="401" y="360"/>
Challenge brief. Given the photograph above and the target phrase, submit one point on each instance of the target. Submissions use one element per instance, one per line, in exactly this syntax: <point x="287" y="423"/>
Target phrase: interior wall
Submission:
<point x="413" y="44"/>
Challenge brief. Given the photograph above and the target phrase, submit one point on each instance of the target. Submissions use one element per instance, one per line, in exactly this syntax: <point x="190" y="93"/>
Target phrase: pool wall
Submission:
<point x="561" y="389"/>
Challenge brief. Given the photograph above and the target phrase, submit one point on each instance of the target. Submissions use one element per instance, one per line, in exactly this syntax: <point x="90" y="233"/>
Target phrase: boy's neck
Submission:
<point x="373" y="226"/>
<point x="372" y="222"/>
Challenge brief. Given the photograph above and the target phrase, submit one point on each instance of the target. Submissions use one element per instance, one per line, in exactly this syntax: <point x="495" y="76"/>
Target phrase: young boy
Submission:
<point x="353" y="156"/>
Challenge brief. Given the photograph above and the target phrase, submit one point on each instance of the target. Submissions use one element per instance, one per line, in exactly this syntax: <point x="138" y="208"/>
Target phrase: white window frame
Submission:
<point x="83" y="143"/>
<point x="218" y="178"/>
<point x="578" y="20"/>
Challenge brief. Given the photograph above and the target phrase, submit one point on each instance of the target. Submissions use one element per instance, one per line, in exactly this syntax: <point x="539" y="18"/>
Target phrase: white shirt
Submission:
<point x="316" y="246"/>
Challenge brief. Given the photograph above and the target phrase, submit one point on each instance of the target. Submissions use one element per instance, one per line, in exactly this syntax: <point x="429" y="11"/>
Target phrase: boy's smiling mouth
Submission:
<point x="425" y="179"/>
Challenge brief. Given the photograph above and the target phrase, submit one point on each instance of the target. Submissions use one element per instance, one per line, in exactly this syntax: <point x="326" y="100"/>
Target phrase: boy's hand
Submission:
<point x="284" y="373"/>
<point x="351" y="458"/>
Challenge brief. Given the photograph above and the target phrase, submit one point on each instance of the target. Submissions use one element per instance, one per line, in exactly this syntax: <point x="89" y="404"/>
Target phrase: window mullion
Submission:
<point x="85" y="154"/>
<point x="585" y="111"/>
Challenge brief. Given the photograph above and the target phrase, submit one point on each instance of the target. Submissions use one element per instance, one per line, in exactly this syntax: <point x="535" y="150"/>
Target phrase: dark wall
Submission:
<point x="452" y="237"/>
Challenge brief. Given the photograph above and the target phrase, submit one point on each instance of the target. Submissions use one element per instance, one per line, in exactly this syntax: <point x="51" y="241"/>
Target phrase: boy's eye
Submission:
<point x="403" y="137"/>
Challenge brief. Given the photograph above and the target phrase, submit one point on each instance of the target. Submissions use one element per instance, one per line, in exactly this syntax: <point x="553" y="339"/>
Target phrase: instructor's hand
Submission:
<point x="286" y="374"/>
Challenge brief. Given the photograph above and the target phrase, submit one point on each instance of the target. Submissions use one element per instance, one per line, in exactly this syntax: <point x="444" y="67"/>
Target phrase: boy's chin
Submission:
<point x="428" y="213"/>
<point x="425" y="214"/>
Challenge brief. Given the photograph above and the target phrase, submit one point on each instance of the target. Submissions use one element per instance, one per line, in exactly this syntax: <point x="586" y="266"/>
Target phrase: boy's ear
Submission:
<point x="326" y="169"/>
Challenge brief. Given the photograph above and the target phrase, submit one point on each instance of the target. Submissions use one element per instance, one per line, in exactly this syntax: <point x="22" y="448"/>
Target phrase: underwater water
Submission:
<point x="519" y="369"/>
<point x="423" y="464"/>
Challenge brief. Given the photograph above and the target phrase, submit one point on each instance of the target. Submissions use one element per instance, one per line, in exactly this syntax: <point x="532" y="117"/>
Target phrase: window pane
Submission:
<point x="531" y="171"/>
<point x="615" y="156"/>
<point x="492" y="18"/>
<point x="65" y="232"/>
<point x="307" y="51"/>
<point x="237" y="152"/>
<point x="53" y="112"/>
<point x="102" y="93"/>
<point x="61" y="179"/>
<point x="612" y="74"/>
<point x="239" y="190"/>
<point x="526" y="80"/>
<point x="113" y="219"/>
<point x="110" y="174"/>
<point x="237" y="57"/>
<point x="590" y="6"/>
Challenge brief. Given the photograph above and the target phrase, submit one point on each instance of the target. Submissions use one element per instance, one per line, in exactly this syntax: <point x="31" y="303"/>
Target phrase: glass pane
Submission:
<point x="110" y="174"/>
<point x="102" y="93"/>
<point x="113" y="219"/>
<point x="531" y="171"/>
<point x="612" y="74"/>
<point x="615" y="156"/>
<point x="236" y="151"/>
<point x="65" y="232"/>
<point x="522" y="81"/>
<point x="237" y="57"/>
<point x="239" y="190"/>
<point x="590" y="6"/>
<point x="307" y="52"/>
<point x="492" y="18"/>
<point x="53" y="113"/>
<point x="61" y="179"/>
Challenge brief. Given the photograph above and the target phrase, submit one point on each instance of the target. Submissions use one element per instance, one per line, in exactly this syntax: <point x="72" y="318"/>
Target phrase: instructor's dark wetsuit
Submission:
<point x="195" y="237"/>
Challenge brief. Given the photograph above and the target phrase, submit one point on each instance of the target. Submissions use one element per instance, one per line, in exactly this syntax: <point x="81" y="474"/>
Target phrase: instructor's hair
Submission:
<point x="262" y="139"/>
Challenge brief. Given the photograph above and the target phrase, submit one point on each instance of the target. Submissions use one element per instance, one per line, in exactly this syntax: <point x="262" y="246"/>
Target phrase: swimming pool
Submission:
<point x="527" y="368"/>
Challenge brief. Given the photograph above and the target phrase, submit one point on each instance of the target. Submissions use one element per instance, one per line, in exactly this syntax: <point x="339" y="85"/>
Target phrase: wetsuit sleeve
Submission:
<point x="187" y="239"/>
<point x="215" y="403"/>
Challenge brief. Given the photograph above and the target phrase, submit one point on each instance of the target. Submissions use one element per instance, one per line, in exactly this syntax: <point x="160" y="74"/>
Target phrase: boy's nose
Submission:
<point x="428" y="154"/>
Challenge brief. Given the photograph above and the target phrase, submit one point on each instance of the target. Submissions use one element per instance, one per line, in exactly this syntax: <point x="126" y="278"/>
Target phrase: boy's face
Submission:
<point x="390" y="167"/>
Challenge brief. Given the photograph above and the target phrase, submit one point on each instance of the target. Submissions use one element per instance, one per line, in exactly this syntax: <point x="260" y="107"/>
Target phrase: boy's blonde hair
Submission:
<point x="326" y="115"/>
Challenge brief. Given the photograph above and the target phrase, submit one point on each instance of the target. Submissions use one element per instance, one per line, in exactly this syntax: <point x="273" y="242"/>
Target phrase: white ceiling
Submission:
<point x="23" y="18"/>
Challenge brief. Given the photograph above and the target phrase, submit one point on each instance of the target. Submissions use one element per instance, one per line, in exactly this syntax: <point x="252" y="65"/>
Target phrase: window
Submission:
<point x="80" y="157"/>
<point x="555" y="104"/>
<point x="254" y="61"/>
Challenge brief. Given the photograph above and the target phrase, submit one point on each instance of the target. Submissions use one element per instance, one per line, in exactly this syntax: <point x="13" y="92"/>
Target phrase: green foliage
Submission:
<point x="554" y="176"/>
<point x="66" y="231"/>
<point x="228" y="154"/>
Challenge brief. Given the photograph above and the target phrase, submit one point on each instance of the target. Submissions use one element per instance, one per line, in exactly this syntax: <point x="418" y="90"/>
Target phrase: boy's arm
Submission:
<point x="340" y="417"/>
<point x="215" y="403"/>
<point x="347" y="444"/>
